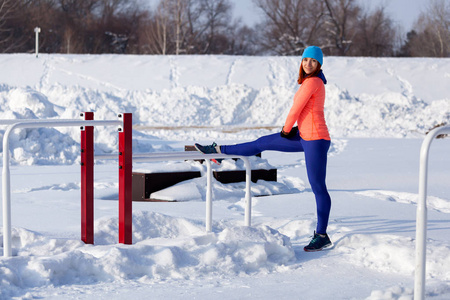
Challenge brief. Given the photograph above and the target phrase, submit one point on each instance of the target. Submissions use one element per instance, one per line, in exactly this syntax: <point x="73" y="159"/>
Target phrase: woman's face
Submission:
<point x="309" y="65"/>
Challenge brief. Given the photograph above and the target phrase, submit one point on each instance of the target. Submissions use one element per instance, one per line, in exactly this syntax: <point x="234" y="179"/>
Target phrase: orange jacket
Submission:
<point x="307" y="111"/>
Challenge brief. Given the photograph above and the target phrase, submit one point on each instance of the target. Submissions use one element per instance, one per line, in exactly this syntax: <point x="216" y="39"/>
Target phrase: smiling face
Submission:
<point x="309" y="65"/>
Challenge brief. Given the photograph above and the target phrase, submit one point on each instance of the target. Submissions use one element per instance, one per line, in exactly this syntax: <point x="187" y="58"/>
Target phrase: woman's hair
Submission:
<point x="302" y="75"/>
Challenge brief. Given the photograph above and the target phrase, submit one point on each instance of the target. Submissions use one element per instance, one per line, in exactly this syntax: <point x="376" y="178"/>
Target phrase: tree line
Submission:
<point x="339" y="27"/>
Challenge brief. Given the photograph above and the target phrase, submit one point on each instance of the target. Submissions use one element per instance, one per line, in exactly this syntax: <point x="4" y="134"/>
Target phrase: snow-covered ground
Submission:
<point x="378" y="111"/>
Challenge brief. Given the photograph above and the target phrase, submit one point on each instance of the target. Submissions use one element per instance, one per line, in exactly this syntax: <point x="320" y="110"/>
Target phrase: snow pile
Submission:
<point x="164" y="248"/>
<point x="170" y="249"/>
<point x="385" y="115"/>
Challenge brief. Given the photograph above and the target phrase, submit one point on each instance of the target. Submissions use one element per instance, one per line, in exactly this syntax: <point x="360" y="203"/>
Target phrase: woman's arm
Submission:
<point x="302" y="96"/>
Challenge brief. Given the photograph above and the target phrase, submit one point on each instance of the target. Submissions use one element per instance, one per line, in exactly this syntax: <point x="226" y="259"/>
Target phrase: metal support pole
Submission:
<point x="125" y="179"/>
<point x="6" y="191"/>
<point x="87" y="180"/>
<point x="421" y="217"/>
<point x="37" y="30"/>
<point x="248" y="196"/>
<point x="208" y="196"/>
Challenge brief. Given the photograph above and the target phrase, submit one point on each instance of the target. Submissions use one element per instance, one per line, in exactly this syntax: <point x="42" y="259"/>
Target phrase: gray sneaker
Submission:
<point x="318" y="242"/>
<point x="209" y="149"/>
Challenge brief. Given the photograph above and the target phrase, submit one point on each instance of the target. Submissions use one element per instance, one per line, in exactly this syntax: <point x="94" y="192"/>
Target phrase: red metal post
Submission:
<point x="125" y="179"/>
<point x="87" y="181"/>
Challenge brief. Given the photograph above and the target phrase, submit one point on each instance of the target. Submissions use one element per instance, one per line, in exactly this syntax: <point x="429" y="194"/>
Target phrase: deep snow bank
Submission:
<point x="366" y="97"/>
<point x="164" y="248"/>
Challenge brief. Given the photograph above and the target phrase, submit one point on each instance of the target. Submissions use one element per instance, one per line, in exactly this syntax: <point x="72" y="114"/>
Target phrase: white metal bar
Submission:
<point x="158" y="156"/>
<point x="248" y="198"/>
<point x="421" y="217"/>
<point x="6" y="182"/>
<point x="14" y="121"/>
<point x="38" y="123"/>
<point x="208" y="196"/>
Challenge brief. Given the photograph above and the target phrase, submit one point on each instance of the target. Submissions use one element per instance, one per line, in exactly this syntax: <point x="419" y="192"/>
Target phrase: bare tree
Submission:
<point x="341" y="25"/>
<point x="176" y="12"/>
<point x="190" y="26"/>
<point x="156" y="32"/>
<point x="289" y="25"/>
<point x="216" y="16"/>
<point x="98" y="26"/>
<point x="432" y="30"/>
<point x="121" y="22"/>
<point x="12" y="24"/>
<point x="76" y="19"/>
<point x="7" y="7"/>
<point x="243" y="40"/>
<point x="168" y="28"/>
<point x="376" y="35"/>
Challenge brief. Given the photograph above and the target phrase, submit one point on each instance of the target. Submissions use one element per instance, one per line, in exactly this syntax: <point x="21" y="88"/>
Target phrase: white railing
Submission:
<point x="421" y="218"/>
<point x="6" y="181"/>
<point x="164" y="156"/>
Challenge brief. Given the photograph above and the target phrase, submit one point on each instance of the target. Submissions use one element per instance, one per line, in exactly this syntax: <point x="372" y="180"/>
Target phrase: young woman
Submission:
<point x="310" y="136"/>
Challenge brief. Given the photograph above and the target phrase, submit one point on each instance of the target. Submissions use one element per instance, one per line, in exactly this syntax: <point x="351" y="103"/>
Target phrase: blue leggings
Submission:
<point x="316" y="165"/>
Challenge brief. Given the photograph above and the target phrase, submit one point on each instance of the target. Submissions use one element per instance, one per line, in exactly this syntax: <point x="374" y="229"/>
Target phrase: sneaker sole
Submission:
<point x="196" y="148"/>
<point x="326" y="247"/>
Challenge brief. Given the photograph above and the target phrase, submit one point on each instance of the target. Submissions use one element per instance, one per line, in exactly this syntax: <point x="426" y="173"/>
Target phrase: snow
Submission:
<point x="378" y="111"/>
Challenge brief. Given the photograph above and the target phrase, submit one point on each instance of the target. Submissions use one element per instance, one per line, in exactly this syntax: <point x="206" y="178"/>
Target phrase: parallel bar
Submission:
<point x="421" y="217"/>
<point x="6" y="180"/>
<point x="125" y="180"/>
<point x="87" y="181"/>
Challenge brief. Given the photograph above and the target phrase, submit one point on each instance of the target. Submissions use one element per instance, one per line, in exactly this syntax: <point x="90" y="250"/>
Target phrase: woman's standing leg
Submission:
<point x="316" y="167"/>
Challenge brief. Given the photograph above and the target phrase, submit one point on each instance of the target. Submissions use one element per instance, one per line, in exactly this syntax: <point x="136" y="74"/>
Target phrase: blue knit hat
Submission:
<point x="313" y="52"/>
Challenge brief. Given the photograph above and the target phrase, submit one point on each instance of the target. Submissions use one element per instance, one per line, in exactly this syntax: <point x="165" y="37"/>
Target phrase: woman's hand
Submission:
<point x="290" y="134"/>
